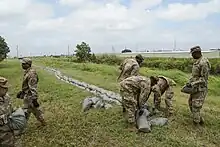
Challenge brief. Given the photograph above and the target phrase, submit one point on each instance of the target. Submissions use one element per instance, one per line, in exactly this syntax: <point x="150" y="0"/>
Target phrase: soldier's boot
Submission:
<point x="42" y="121"/>
<point x="202" y="121"/>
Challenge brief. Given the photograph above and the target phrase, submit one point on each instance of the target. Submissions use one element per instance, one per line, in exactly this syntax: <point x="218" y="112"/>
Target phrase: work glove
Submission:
<point x="35" y="103"/>
<point x="20" y="94"/>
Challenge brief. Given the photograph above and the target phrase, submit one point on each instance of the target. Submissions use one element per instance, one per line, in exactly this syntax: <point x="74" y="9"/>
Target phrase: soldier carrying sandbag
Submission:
<point x="135" y="91"/>
<point x="29" y="91"/>
<point x="197" y="86"/>
<point x="7" y="137"/>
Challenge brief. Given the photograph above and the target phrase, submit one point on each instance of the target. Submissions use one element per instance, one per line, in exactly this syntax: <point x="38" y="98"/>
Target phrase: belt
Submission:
<point x="3" y="119"/>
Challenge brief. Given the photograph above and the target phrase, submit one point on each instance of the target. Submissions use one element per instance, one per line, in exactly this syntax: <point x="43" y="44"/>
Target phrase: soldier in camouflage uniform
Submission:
<point x="130" y="67"/>
<point x="199" y="80"/>
<point x="29" y="91"/>
<point x="7" y="138"/>
<point x="164" y="85"/>
<point x="135" y="91"/>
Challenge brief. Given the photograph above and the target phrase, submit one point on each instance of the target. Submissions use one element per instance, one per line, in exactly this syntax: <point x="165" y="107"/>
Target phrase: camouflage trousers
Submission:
<point x="7" y="138"/>
<point x="196" y="102"/>
<point x="129" y="104"/>
<point x="29" y="108"/>
<point x="168" y="100"/>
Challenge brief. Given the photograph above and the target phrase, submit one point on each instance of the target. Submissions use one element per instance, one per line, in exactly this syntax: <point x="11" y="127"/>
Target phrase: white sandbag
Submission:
<point x="160" y="121"/>
<point x="143" y="124"/>
<point x="99" y="105"/>
<point x="87" y="104"/>
<point x="95" y="99"/>
<point x="108" y="106"/>
<point x="18" y="120"/>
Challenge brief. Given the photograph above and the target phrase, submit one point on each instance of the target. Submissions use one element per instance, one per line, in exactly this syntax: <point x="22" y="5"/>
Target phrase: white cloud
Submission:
<point x="183" y="12"/>
<point x="34" y="26"/>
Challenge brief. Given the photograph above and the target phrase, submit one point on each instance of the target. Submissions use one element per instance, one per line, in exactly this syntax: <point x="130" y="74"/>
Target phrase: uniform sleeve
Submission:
<point x="144" y="93"/>
<point x="32" y="84"/>
<point x="135" y="70"/>
<point x="203" y="75"/>
<point x="156" y="91"/>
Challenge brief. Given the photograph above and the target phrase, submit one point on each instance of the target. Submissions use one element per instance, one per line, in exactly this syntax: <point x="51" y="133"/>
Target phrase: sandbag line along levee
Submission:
<point x="100" y="92"/>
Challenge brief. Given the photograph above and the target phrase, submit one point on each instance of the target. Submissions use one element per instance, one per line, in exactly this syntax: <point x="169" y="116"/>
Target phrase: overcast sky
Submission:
<point x="48" y="26"/>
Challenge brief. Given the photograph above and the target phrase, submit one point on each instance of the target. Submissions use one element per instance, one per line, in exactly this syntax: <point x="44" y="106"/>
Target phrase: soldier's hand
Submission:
<point x="35" y="103"/>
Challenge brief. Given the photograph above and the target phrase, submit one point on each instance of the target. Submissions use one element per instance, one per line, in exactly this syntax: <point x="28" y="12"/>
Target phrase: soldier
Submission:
<point x="130" y="67"/>
<point x="199" y="80"/>
<point x="7" y="137"/>
<point x="164" y="85"/>
<point x="29" y="91"/>
<point x="135" y="91"/>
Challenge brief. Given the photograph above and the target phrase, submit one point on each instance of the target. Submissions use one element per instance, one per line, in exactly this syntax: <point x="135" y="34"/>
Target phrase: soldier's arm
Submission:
<point x="156" y="91"/>
<point x="144" y="93"/>
<point x="202" y="78"/>
<point x="32" y="84"/>
<point x="135" y="70"/>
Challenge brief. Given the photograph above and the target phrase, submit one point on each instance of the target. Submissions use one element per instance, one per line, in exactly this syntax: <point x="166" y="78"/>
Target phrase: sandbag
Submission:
<point x="99" y="105"/>
<point x="142" y="123"/>
<point x="189" y="89"/>
<point x="87" y="104"/>
<point x="160" y="121"/>
<point x="108" y="106"/>
<point x="18" y="120"/>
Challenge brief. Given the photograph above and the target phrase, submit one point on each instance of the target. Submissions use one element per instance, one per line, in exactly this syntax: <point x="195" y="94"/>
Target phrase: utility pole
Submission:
<point x="17" y="50"/>
<point x="68" y="50"/>
<point x="174" y="44"/>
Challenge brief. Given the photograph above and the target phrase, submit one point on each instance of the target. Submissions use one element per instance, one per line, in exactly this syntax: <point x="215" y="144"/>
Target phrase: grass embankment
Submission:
<point x="67" y="126"/>
<point x="180" y="132"/>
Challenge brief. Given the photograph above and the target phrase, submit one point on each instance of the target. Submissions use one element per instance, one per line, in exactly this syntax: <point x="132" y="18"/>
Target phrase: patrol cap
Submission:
<point x="139" y="56"/>
<point x="26" y="61"/>
<point x="195" y="49"/>
<point x="3" y="82"/>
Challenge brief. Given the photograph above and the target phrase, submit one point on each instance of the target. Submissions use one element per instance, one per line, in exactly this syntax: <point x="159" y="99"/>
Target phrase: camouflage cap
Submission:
<point x="26" y="61"/>
<point x="195" y="48"/>
<point x="139" y="56"/>
<point x="3" y="82"/>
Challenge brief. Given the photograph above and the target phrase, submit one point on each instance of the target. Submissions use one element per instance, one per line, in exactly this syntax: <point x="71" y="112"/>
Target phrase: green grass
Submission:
<point x="67" y="126"/>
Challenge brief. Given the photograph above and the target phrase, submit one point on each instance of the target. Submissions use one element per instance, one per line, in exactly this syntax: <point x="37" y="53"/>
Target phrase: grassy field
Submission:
<point x="67" y="126"/>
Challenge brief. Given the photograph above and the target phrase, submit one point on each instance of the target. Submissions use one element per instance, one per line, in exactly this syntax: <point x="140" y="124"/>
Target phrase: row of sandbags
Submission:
<point x="104" y="94"/>
<point x="144" y="120"/>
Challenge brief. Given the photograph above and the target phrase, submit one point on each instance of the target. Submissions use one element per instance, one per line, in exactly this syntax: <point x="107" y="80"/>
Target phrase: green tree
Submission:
<point x="4" y="49"/>
<point x="83" y="52"/>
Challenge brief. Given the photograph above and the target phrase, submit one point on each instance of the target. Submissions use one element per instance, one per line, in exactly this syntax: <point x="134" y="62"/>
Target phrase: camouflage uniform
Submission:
<point x="7" y="138"/>
<point x="129" y="67"/>
<point x="199" y="79"/>
<point x="134" y="91"/>
<point x="29" y="88"/>
<point x="164" y="85"/>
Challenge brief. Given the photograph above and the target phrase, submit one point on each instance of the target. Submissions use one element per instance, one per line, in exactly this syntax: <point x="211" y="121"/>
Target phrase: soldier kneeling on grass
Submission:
<point x="164" y="85"/>
<point x="135" y="91"/>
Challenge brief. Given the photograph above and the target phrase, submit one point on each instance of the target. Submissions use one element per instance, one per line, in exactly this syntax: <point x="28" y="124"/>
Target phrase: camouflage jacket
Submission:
<point x="137" y="85"/>
<point x="5" y="108"/>
<point x="29" y="85"/>
<point x="200" y="73"/>
<point x="162" y="85"/>
<point x="129" y="67"/>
